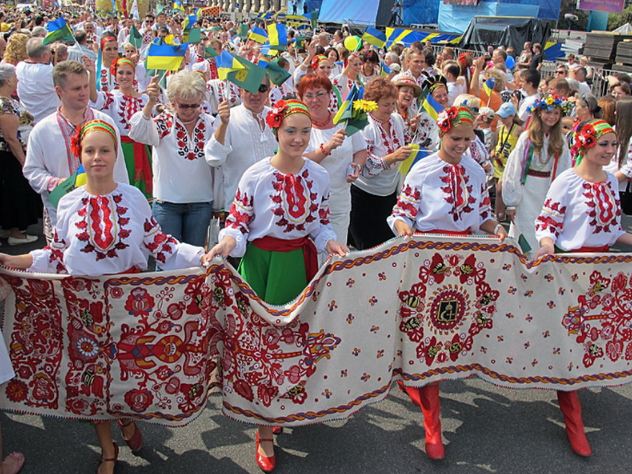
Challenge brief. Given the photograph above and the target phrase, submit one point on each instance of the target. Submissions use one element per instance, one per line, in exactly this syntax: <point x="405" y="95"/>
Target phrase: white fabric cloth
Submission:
<point x="440" y="196"/>
<point x="478" y="152"/>
<point x="376" y="177"/>
<point x="36" y="89"/>
<point x="337" y="165"/>
<point x="523" y="111"/>
<point x="528" y="198"/>
<point x="6" y="370"/>
<point x="269" y="203"/>
<point x="119" y="107"/>
<point x="109" y="234"/>
<point x="78" y="51"/>
<point x="217" y="93"/>
<point x="181" y="175"/>
<point x="245" y="143"/>
<point x="455" y="89"/>
<point x="577" y="213"/>
<point x="49" y="159"/>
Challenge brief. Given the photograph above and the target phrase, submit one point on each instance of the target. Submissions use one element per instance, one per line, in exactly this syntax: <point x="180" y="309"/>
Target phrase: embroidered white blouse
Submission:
<point x="245" y="143"/>
<point x="377" y="178"/>
<point x="285" y="206"/>
<point x="120" y="108"/>
<point x="109" y="234"/>
<point x="577" y="213"/>
<point x="181" y="174"/>
<point x="440" y="196"/>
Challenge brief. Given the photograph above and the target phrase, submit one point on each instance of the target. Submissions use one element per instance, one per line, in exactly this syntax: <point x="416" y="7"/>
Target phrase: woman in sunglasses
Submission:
<point x="182" y="180"/>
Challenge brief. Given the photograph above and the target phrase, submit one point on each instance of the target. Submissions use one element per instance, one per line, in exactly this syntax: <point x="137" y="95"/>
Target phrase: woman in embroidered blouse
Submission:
<point x="540" y="155"/>
<point x="183" y="181"/>
<point x="407" y="93"/>
<point x="109" y="53"/>
<point x="278" y="222"/>
<point x="343" y="157"/>
<point x="464" y="209"/>
<point x="103" y="228"/>
<point x="582" y="213"/>
<point x="374" y="193"/>
<point x="121" y="104"/>
<point x="350" y="75"/>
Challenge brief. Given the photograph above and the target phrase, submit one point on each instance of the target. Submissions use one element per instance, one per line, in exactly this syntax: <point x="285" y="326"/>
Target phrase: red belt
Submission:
<point x="310" y="254"/>
<point x="539" y="174"/>
<point x="603" y="248"/>
<point x="448" y="232"/>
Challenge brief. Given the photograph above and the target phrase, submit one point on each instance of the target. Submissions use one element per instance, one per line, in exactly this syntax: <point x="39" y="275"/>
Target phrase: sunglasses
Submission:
<point x="188" y="106"/>
<point x="263" y="88"/>
<point x="560" y="72"/>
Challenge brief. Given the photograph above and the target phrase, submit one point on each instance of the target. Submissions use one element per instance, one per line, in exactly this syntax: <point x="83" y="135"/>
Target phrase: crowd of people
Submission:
<point x="163" y="153"/>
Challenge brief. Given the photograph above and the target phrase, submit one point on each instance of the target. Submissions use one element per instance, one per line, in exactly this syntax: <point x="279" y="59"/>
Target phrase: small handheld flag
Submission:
<point x="276" y="73"/>
<point x="78" y="178"/>
<point x="165" y="57"/>
<point x="277" y="36"/>
<point x="58" y="30"/>
<point x="258" y="34"/>
<point x="432" y="107"/>
<point x="488" y="86"/>
<point x="135" y="38"/>
<point x="411" y="160"/>
<point x="226" y="63"/>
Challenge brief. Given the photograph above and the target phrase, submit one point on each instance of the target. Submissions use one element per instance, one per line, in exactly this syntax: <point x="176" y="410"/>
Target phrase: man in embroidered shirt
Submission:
<point x="35" y="80"/>
<point x="49" y="160"/>
<point x="241" y="138"/>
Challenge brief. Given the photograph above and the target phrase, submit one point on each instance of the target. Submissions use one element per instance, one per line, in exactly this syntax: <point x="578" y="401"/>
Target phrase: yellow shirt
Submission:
<point x="507" y="140"/>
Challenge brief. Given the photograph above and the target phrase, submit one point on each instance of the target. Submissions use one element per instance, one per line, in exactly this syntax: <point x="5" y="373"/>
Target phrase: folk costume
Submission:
<point x="218" y="93"/>
<point x="441" y="197"/>
<point x="528" y="176"/>
<point x="280" y="222"/>
<point x="121" y="108"/>
<point x="580" y="216"/>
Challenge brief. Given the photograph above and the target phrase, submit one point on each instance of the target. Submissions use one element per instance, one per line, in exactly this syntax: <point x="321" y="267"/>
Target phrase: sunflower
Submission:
<point x="365" y="106"/>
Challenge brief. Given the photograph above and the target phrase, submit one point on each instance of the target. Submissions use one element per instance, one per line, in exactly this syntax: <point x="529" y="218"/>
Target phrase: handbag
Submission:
<point x="626" y="199"/>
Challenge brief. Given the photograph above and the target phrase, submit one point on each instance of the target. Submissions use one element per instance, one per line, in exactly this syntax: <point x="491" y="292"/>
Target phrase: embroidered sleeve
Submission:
<point x="550" y="222"/>
<point x="325" y="231"/>
<point x="50" y="259"/>
<point x="238" y="221"/>
<point x="104" y="100"/>
<point x="485" y="206"/>
<point x="168" y="252"/>
<point x="407" y="206"/>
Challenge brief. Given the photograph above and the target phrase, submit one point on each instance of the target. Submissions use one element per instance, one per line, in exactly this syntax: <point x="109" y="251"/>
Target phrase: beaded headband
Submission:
<point x="586" y="137"/>
<point x="453" y="116"/>
<point x="283" y="109"/>
<point x="88" y="127"/>
<point x="118" y="62"/>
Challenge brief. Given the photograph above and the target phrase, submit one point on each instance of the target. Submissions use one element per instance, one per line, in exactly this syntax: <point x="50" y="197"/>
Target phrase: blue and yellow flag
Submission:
<point x="346" y="108"/>
<point x="78" y="178"/>
<point x="165" y="57"/>
<point x="58" y="30"/>
<point x="177" y="5"/>
<point x="277" y="36"/>
<point x="188" y="22"/>
<point x="432" y="107"/>
<point x="411" y="160"/>
<point x="401" y="35"/>
<point x="374" y="37"/>
<point x="226" y="63"/>
<point x="384" y="69"/>
<point x="258" y="34"/>
<point x="488" y="86"/>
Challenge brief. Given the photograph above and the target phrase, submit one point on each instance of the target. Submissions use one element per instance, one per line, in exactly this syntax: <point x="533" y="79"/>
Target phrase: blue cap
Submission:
<point x="506" y="110"/>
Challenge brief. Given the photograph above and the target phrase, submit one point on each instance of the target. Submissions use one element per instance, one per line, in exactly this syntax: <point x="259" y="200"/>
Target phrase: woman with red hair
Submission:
<point x="108" y="49"/>
<point x="121" y="104"/>
<point x="342" y="156"/>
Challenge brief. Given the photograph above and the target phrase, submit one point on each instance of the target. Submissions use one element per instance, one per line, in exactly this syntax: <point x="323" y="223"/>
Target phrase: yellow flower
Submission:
<point x="364" y="105"/>
<point x="549" y="100"/>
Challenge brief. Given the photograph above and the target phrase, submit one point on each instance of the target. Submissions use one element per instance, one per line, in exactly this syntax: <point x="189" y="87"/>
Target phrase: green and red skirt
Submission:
<point x="138" y="164"/>
<point x="278" y="270"/>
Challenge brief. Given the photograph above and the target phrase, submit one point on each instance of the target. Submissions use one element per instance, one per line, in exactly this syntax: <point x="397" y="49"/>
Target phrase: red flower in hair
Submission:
<point x="275" y="116"/>
<point x="75" y="143"/>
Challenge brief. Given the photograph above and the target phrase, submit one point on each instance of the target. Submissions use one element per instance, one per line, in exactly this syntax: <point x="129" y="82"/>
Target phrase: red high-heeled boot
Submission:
<point x="431" y="409"/>
<point x="265" y="463"/>
<point x="571" y="408"/>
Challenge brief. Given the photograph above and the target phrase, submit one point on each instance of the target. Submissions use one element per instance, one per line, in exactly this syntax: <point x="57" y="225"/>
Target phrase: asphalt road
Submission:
<point x="486" y="429"/>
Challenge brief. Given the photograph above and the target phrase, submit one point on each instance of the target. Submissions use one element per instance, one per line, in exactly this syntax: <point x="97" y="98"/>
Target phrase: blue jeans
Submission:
<point x="186" y="222"/>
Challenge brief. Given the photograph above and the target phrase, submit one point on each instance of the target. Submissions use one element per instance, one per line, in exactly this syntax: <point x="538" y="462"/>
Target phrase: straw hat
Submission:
<point x="403" y="79"/>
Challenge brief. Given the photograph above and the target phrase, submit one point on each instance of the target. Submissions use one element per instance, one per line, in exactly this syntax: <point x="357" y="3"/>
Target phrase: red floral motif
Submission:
<point x="139" y="400"/>
<point x="241" y="212"/>
<point x="407" y="203"/>
<point x="602" y="319"/>
<point x="552" y="217"/>
<point x="139" y="303"/>
<point x="16" y="391"/>
<point x="296" y="201"/>
<point x="127" y="108"/>
<point x="462" y="303"/>
<point x="457" y="191"/>
<point x="164" y="123"/>
<point x="603" y="205"/>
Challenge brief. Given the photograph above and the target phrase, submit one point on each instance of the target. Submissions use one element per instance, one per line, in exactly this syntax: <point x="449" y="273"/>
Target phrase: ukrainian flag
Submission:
<point x="345" y="110"/>
<point x="432" y="107"/>
<point x="384" y="69"/>
<point x="78" y="178"/>
<point x="226" y="63"/>
<point x="188" y="22"/>
<point x="411" y="160"/>
<point x="165" y="57"/>
<point x="177" y="5"/>
<point x="58" y="30"/>
<point x="277" y="36"/>
<point x="488" y="86"/>
<point x="374" y="37"/>
<point x="258" y="34"/>
<point x="407" y="37"/>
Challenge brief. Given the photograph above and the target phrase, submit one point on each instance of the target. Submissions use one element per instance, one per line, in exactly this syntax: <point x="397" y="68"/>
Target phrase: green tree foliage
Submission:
<point x="615" y="20"/>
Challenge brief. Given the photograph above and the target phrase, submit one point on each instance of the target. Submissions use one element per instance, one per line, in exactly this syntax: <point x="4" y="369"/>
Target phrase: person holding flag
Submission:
<point x="278" y="223"/>
<point x="350" y="74"/>
<point x="445" y="193"/>
<point x="374" y="193"/>
<point x="121" y="104"/>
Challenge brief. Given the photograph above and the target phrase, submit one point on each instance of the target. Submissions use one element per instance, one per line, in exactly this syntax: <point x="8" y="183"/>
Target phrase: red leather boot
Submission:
<point x="571" y="408"/>
<point x="431" y="409"/>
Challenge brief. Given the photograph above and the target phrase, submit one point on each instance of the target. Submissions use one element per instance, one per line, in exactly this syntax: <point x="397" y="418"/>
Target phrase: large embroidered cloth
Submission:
<point x="430" y="308"/>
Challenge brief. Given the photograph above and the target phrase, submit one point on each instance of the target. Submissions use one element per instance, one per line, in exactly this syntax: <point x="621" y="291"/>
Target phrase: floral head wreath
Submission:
<point x="118" y="62"/>
<point x="548" y="102"/>
<point x="316" y="60"/>
<point x="453" y="116"/>
<point x="586" y="137"/>
<point x="285" y="108"/>
<point x="87" y="127"/>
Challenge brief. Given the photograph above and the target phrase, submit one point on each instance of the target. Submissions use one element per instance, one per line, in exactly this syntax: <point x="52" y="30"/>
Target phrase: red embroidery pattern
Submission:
<point x="407" y="203"/>
<point x="296" y="202"/>
<point x="390" y="140"/>
<point x="128" y="107"/>
<point x="255" y="351"/>
<point x="164" y="123"/>
<point x="186" y="149"/>
<point x="602" y="319"/>
<point x="160" y="245"/>
<point x="603" y="206"/>
<point x="552" y="217"/>
<point x="462" y="303"/>
<point x="220" y="94"/>
<point x="103" y="226"/>
<point x="107" y="81"/>
<point x="456" y="190"/>
<point x="241" y="213"/>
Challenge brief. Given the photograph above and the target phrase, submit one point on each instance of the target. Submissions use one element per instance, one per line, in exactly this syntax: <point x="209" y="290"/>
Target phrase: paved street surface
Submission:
<point x="487" y="429"/>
